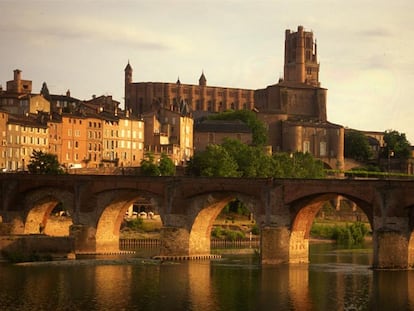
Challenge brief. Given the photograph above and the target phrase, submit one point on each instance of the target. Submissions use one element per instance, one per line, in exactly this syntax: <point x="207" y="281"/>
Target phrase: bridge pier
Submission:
<point x="299" y="247"/>
<point x="391" y="249"/>
<point x="84" y="238"/>
<point x="14" y="223"/>
<point x="174" y="241"/>
<point x="275" y="245"/>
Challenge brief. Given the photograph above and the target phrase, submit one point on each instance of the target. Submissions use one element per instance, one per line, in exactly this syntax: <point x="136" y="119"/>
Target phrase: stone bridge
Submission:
<point x="283" y="208"/>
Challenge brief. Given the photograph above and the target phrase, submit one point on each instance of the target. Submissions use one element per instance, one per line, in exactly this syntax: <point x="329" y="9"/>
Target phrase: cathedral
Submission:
<point x="294" y="109"/>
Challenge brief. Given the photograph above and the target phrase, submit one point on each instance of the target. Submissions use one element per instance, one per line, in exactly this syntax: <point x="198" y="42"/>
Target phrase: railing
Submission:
<point x="238" y="243"/>
<point x="131" y="244"/>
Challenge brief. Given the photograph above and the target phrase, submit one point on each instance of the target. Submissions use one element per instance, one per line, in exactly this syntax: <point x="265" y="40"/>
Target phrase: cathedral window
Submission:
<point x="322" y="149"/>
<point x="306" y="146"/>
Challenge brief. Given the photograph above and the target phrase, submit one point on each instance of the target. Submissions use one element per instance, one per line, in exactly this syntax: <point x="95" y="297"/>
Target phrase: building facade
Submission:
<point x="213" y="132"/>
<point x="294" y="109"/>
<point x="142" y="97"/>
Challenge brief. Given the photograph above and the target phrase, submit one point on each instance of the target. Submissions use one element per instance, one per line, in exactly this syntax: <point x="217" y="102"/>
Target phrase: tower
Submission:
<point x="301" y="62"/>
<point x="128" y="82"/>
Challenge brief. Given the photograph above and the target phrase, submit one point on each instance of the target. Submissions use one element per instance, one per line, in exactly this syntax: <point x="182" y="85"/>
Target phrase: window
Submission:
<point x="322" y="149"/>
<point x="306" y="147"/>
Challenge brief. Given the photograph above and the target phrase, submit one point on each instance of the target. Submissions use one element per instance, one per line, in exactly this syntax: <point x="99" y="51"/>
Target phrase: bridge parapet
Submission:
<point x="283" y="208"/>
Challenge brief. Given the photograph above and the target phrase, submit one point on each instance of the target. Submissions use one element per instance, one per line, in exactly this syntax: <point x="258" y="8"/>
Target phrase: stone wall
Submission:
<point x="24" y="246"/>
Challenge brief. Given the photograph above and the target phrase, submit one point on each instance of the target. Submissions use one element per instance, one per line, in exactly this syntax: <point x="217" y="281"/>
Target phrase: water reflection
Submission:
<point x="335" y="280"/>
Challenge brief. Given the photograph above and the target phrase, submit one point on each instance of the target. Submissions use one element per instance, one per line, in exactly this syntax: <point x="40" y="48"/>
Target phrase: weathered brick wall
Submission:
<point x="29" y="244"/>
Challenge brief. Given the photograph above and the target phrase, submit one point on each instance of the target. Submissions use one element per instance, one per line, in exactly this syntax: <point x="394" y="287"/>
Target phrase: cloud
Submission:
<point x="89" y="29"/>
<point x="375" y="33"/>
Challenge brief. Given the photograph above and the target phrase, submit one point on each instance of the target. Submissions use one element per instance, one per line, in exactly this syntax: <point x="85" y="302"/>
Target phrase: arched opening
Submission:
<point x="124" y="208"/>
<point x="209" y="208"/>
<point x="48" y="214"/>
<point x="307" y="210"/>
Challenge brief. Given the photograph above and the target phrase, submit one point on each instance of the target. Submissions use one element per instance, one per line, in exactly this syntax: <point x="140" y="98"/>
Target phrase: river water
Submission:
<point x="336" y="279"/>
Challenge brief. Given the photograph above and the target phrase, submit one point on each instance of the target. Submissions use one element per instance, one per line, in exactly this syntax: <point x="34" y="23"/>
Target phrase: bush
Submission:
<point x="353" y="234"/>
<point x="323" y="231"/>
<point x="225" y="234"/>
<point x="255" y="230"/>
<point x="135" y="224"/>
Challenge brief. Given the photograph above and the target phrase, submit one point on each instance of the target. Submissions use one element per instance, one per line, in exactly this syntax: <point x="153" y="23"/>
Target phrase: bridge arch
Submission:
<point x="111" y="206"/>
<point x="38" y="206"/>
<point x="303" y="212"/>
<point x="201" y="210"/>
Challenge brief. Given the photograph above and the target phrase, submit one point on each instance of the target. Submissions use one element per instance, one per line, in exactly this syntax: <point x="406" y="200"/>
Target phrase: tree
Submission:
<point x="235" y="159"/>
<point x="258" y="128"/>
<point x="214" y="161"/>
<point x="166" y="166"/>
<point x="396" y="145"/>
<point x="356" y="146"/>
<point x="148" y="166"/>
<point x="251" y="160"/>
<point x="44" y="163"/>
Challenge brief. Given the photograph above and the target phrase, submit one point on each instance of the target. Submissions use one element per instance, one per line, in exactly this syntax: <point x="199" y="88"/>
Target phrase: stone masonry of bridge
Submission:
<point x="283" y="208"/>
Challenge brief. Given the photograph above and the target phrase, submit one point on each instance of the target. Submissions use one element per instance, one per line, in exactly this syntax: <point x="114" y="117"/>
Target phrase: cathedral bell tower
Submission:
<point x="301" y="62"/>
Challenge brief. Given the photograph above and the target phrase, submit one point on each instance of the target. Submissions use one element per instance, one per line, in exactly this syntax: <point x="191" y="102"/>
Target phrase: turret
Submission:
<point x="128" y="82"/>
<point x="128" y="74"/>
<point x="202" y="81"/>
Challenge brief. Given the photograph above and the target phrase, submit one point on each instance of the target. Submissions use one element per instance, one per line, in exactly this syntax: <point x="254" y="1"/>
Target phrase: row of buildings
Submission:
<point x="90" y="133"/>
<point x="170" y="117"/>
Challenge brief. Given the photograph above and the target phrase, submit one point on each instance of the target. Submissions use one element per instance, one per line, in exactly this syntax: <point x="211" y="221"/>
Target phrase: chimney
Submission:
<point x="17" y="75"/>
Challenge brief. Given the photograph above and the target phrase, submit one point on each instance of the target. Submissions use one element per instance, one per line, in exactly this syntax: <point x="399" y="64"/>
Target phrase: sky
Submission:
<point x="365" y="49"/>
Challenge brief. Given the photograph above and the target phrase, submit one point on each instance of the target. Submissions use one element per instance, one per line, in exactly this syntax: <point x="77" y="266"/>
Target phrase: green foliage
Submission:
<point x="255" y="229"/>
<point x="237" y="207"/>
<point x="356" y="146"/>
<point x="235" y="159"/>
<point x="135" y="224"/>
<point x="323" y="231"/>
<point x="353" y="234"/>
<point x="214" y="161"/>
<point x="297" y="165"/>
<point x="165" y="166"/>
<point x="396" y="145"/>
<point x="225" y="234"/>
<point x="251" y="161"/>
<point x="148" y="165"/>
<point x="258" y="128"/>
<point x="44" y="163"/>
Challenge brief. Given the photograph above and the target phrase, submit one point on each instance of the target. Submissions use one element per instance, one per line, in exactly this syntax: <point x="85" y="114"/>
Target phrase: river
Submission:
<point x="336" y="279"/>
